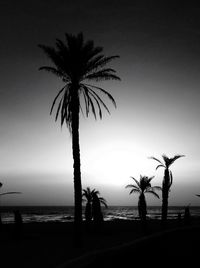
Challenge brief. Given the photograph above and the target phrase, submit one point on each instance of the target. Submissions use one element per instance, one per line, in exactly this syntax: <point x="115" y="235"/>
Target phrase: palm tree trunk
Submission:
<point x="142" y="207"/>
<point x="77" y="171"/>
<point x="165" y="195"/>
<point x="88" y="213"/>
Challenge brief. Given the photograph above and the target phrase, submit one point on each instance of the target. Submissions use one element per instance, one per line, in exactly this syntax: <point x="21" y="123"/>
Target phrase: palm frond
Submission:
<point x="62" y="49"/>
<point x="88" y="102"/>
<point x="67" y="108"/>
<point x="137" y="182"/>
<point x="105" y="92"/>
<point x="156" y="159"/>
<point x="132" y="186"/>
<point x="157" y="188"/>
<point x="85" y="193"/>
<point x="6" y="193"/>
<point x="152" y="192"/>
<point x="87" y="110"/>
<point x="58" y="108"/>
<point x="102" y="75"/>
<point x="173" y="159"/>
<point x="54" y="55"/>
<point x="55" y="99"/>
<point x="171" y="179"/>
<point x="99" y="62"/>
<point x="94" y="191"/>
<point x="160" y="166"/>
<point x="166" y="159"/>
<point x="55" y="71"/>
<point x="97" y="102"/>
<point x="169" y="161"/>
<point x="103" y="201"/>
<point x="97" y="98"/>
<point x="134" y="191"/>
<point x="150" y="178"/>
<point x="99" y="73"/>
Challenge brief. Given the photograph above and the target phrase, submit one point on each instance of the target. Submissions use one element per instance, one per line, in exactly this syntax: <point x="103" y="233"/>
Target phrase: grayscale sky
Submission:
<point x="157" y="101"/>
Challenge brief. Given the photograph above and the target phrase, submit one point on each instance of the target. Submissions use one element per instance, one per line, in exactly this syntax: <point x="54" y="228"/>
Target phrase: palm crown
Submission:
<point x="77" y="63"/>
<point x="167" y="161"/>
<point x="89" y="194"/>
<point x="143" y="186"/>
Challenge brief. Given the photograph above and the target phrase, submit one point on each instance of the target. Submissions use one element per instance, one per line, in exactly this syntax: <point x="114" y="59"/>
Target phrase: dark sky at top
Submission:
<point x="158" y="98"/>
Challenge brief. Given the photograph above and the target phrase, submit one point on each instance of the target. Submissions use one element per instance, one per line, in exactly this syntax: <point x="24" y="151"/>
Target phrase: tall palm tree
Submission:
<point x="142" y="187"/>
<point x="6" y="193"/>
<point x="77" y="63"/>
<point x="167" y="181"/>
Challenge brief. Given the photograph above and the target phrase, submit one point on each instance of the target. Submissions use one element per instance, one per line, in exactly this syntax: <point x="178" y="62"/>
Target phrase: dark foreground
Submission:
<point x="119" y="243"/>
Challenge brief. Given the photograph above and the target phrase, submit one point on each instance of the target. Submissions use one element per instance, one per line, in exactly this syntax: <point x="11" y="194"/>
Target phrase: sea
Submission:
<point x="66" y="213"/>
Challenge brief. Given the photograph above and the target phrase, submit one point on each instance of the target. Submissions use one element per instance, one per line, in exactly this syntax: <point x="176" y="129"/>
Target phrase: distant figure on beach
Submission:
<point x="18" y="222"/>
<point x="187" y="216"/>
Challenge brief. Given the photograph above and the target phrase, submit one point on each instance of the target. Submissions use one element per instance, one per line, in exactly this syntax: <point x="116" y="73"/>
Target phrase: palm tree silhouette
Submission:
<point x="77" y="62"/>
<point x="94" y="201"/>
<point x="142" y="187"/>
<point x="167" y="181"/>
<point x="6" y="193"/>
<point x="88" y="194"/>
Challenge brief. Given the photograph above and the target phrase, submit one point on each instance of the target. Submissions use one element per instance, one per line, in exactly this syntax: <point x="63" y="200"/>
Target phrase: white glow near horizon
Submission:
<point x="114" y="163"/>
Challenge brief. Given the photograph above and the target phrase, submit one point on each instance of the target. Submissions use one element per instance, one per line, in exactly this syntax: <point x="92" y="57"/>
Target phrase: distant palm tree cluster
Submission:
<point x="144" y="186"/>
<point x="93" y="205"/>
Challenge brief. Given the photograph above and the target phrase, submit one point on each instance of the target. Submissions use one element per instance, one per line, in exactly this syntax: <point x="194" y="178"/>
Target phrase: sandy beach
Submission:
<point x="51" y="244"/>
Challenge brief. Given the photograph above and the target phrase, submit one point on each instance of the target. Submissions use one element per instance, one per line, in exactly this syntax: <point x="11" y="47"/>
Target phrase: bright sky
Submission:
<point x="157" y="102"/>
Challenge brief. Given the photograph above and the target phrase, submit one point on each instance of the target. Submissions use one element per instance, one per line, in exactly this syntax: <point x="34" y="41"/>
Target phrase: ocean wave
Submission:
<point x="66" y="214"/>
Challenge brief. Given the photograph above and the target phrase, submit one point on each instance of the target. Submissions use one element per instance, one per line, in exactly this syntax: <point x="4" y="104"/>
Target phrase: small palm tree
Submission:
<point x="6" y="193"/>
<point x="87" y="197"/>
<point x="142" y="187"/>
<point x="167" y="181"/>
<point x="78" y="63"/>
<point x="93" y="205"/>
